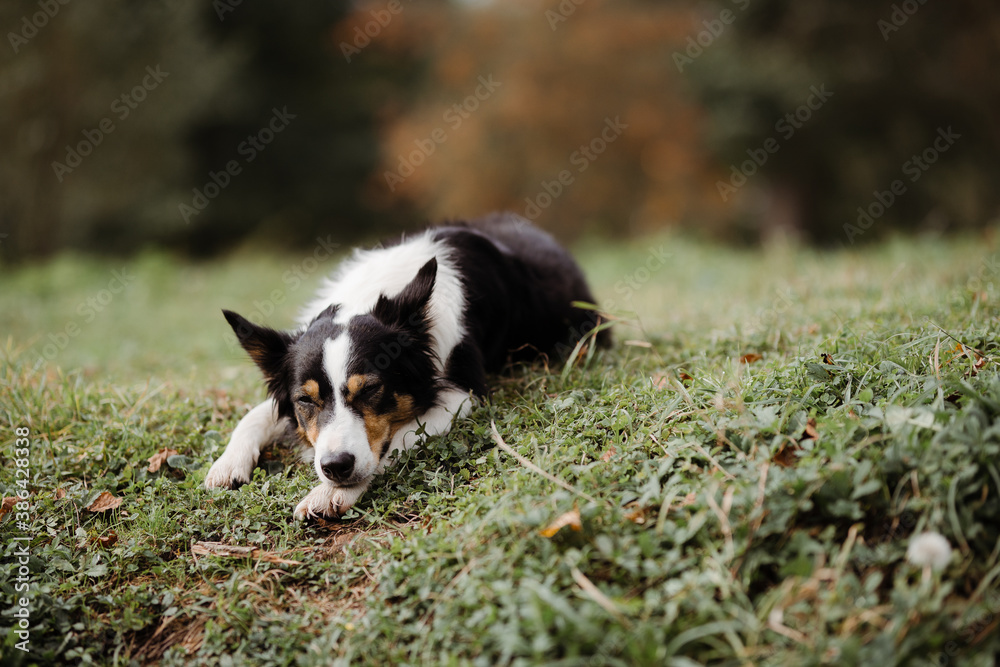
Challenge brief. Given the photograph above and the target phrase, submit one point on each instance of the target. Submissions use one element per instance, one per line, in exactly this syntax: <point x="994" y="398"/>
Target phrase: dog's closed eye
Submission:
<point x="367" y="392"/>
<point x="305" y="401"/>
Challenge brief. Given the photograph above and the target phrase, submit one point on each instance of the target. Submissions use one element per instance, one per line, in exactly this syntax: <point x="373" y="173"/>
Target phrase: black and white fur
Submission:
<point x="399" y="341"/>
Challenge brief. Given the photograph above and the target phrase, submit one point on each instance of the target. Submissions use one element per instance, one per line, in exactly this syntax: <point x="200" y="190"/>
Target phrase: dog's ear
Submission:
<point x="328" y="313"/>
<point x="409" y="306"/>
<point x="267" y="347"/>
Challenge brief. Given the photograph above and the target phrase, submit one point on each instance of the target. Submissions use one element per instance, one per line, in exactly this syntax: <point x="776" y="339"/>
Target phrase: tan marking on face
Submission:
<point x="308" y="427"/>
<point x="381" y="427"/>
<point x="356" y="383"/>
<point x="308" y="417"/>
<point x="311" y="389"/>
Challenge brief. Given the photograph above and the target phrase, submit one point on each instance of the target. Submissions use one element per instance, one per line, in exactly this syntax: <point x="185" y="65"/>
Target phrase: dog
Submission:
<point x="398" y="344"/>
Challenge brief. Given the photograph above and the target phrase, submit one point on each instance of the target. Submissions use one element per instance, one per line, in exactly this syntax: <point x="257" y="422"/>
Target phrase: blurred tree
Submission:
<point x="900" y="74"/>
<point x="122" y="118"/>
<point x="566" y="112"/>
<point x="309" y="178"/>
<point x="98" y="100"/>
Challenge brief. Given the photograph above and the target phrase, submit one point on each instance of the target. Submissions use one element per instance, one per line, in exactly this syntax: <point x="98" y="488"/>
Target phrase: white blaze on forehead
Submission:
<point x="367" y="275"/>
<point x="335" y="351"/>
<point x="346" y="431"/>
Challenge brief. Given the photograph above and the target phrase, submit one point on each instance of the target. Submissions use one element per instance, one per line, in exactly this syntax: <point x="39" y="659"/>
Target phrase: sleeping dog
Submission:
<point x="398" y="344"/>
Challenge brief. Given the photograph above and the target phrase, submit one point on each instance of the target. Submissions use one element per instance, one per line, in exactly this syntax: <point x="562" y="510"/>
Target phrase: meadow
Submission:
<point x="735" y="482"/>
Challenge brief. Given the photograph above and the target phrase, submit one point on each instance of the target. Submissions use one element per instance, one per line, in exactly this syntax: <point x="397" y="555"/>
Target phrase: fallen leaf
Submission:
<point x="8" y="504"/>
<point x="104" y="502"/>
<point x="235" y="551"/>
<point x="109" y="540"/>
<point x="60" y="493"/>
<point x="659" y="381"/>
<point x="606" y="456"/>
<point x="219" y="549"/>
<point x="571" y="519"/>
<point x="828" y="359"/>
<point x="750" y="357"/>
<point x="685" y="377"/>
<point x="159" y="458"/>
<point x="811" y="429"/>
<point x="785" y="457"/>
<point x="637" y="515"/>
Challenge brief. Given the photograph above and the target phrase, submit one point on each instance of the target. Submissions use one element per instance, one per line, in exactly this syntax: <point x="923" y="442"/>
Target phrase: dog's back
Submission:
<point x="520" y="287"/>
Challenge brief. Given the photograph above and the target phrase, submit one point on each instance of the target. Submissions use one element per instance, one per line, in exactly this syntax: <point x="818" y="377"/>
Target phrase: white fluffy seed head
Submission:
<point x="929" y="549"/>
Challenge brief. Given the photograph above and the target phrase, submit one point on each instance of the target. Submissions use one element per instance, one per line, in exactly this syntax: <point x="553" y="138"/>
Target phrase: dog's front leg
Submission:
<point x="327" y="500"/>
<point x="260" y="427"/>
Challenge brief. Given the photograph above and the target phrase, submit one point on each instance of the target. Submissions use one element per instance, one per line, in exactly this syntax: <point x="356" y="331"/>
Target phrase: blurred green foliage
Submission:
<point x="202" y="125"/>
<point x="895" y="74"/>
<point x="99" y="154"/>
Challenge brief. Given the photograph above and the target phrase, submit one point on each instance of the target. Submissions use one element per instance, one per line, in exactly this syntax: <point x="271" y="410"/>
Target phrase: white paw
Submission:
<point x="229" y="471"/>
<point x="327" y="500"/>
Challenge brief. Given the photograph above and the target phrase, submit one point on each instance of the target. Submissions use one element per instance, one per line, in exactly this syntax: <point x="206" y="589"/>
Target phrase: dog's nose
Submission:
<point x="337" y="467"/>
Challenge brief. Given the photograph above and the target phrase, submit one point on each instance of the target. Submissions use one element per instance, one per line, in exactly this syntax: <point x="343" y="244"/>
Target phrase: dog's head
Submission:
<point x="350" y="385"/>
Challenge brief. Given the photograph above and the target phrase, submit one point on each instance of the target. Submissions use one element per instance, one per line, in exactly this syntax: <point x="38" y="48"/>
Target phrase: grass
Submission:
<point x="745" y="470"/>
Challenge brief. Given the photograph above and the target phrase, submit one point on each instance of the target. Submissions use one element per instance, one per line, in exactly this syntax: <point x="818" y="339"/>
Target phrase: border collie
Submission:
<point x="398" y="344"/>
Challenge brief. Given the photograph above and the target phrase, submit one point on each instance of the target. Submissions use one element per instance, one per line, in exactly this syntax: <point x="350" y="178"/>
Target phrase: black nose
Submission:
<point x="337" y="467"/>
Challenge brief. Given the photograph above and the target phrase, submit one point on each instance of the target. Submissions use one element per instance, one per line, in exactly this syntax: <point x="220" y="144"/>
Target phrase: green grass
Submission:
<point x="718" y="525"/>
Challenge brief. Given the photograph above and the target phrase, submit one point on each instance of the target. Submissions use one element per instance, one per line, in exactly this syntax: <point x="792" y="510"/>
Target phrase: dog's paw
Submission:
<point x="328" y="501"/>
<point x="228" y="473"/>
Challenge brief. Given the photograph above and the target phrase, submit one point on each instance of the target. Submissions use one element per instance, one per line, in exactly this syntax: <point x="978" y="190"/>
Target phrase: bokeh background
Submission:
<point x="739" y="120"/>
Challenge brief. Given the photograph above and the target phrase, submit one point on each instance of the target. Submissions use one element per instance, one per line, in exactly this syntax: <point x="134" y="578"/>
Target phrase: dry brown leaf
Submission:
<point x="637" y="514"/>
<point x="606" y="456"/>
<point x="219" y="549"/>
<point x="828" y="359"/>
<point x="685" y="377"/>
<point x="571" y="519"/>
<point x="8" y="504"/>
<point x="811" y="429"/>
<point x="750" y="358"/>
<point x="786" y="455"/>
<point x="104" y="502"/>
<point x="109" y="540"/>
<point x="659" y="381"/>
<point x="59" y="494"/>
<point x="234" y="551"/>
<point x="979" y="361"/>
<point x="159" y="458"/>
